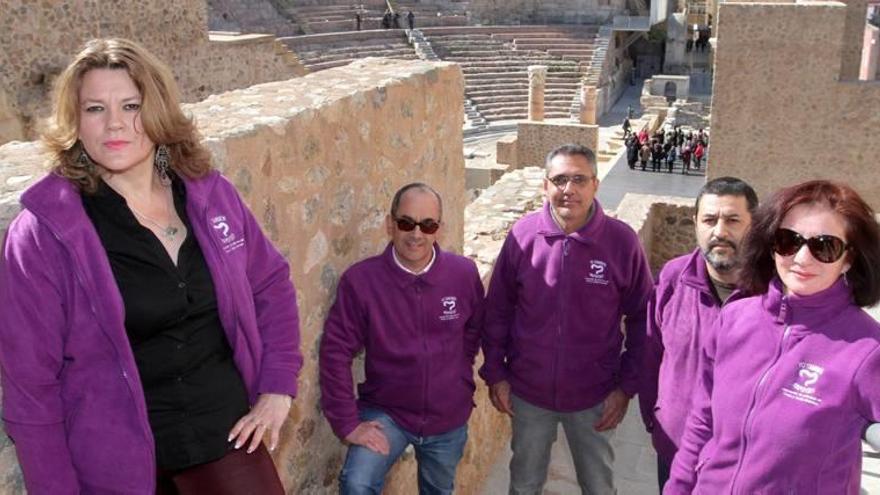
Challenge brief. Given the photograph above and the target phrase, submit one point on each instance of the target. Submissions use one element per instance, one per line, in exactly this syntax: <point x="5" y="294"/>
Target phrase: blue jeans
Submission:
<point x="437" y="456"/>
<point x="534" y="431"/>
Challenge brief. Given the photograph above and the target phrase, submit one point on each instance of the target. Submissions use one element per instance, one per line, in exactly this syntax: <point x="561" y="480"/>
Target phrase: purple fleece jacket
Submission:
<point x="72" y="399"/>
<point x="787" y="386"/>
<point x="420" y="335"/>
<point x="554" y="309"/>
<point x="682" y="310"/>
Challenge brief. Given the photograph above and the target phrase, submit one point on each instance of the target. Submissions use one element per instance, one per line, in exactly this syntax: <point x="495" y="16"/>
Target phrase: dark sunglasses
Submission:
<point x="427" y="226"/>
<point x="825" y="248"/>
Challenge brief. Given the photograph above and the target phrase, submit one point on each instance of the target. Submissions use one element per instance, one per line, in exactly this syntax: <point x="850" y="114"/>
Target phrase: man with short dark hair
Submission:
<point x="416" y="311"/>
<point x="690" y="292"/>
<point x="552" y="341"/>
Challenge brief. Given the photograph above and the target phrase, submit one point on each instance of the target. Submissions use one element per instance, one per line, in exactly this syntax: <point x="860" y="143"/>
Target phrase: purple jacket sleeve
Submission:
<point x="474" y="325"/>
<point x="32" y="327"/>
<point x="635" y="306"/>
<point x="867" y="393"/>
<point x="651" y="358"/>
<point x="277" y="315"/>
<point x="500" y="308"/>
<point x="698" y="429"/>
<point x="341" y="341"/>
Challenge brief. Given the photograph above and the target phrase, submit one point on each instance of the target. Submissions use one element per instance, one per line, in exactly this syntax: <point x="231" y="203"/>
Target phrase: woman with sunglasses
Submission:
<point x="788" y="380"/>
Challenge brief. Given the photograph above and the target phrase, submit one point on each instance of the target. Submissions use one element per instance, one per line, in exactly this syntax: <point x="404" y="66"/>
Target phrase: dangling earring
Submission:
<point x="83" y="159"/>
<point x="162" y="162"/>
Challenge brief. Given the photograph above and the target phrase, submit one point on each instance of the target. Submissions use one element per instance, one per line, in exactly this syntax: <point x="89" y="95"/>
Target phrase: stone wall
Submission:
<point x="535" y="139"/>
<point x="250" y="16"/>
<point x="792" y="113"/>
<point x="317" y="159"/>
<point x="38" y="39"/>
<point x="544" y="11"/>
<point x="665" y="225"/>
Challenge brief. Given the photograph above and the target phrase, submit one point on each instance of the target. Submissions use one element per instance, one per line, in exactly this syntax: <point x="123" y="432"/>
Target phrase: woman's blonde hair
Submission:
<point x="163" y="120"/>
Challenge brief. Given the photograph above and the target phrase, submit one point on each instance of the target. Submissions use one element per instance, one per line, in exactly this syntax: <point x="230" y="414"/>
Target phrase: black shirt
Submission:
<point x="193" y="390"/>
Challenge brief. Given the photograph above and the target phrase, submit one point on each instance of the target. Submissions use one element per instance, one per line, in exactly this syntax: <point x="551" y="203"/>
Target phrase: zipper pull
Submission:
<point x="783" y="310"/>
<point x="565" y="247"/>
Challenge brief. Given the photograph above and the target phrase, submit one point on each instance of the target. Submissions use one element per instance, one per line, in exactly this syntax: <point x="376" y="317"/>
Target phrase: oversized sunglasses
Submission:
<point x="427" y="226"/>
<point x="562" y="180"/>
<point x="825" y="248"/>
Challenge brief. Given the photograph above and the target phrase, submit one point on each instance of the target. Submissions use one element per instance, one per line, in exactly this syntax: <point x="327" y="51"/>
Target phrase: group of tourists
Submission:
<point x="149" y="335"/>
<point x="664" y="150"/>
<point x="391" y="20"/>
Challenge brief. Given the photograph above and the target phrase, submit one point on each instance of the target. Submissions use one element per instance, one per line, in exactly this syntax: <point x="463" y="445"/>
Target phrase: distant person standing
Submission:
<point x="411" y="20"/>
<point x="632" y="151"/>
<point x="627" y="128"/>
<point x="396" y="24"/>
<point x="357" y="20"/>
<point x="386" y="20"/>
<point x="644" y="155"/>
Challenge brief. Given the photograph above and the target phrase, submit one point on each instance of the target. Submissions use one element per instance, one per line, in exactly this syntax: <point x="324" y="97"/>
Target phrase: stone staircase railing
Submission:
<point x="594" y="75"/>
<point x="425" y="51"/>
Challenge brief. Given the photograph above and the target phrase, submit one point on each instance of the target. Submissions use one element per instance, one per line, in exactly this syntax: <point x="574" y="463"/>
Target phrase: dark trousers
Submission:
<point x="235" y="473"/>
<point x="662" y="473"/>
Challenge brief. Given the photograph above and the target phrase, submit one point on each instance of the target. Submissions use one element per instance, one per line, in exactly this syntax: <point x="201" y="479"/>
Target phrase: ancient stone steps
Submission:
<point x="557" y="67"/>
<point x="489" y="107"/>
<point x="561" y="99"/>
<point x="520" y="90"/>
<point x="338" y="54"/>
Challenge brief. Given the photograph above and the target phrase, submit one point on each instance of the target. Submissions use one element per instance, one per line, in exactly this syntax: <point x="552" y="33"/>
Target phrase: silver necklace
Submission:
<point x="168" y="231"/>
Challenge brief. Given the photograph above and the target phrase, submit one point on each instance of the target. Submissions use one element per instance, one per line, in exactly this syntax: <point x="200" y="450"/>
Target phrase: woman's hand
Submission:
<point x="267" y="415"/>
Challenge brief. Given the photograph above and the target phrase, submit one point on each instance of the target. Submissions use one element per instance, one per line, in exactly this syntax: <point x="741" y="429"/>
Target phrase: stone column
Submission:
<point x="588" y="105"/>
<point x="537" y="78"/>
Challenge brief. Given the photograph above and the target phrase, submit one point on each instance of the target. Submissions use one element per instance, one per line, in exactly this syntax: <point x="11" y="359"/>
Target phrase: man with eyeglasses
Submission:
<point x="687" y="300"/>
<point x="416" y="311"/>
<point x="553" y="338"/>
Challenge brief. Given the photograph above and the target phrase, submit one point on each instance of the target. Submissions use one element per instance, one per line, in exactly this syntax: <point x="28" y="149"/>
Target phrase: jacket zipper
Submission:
<point x="747" y="426"/>
<point x="423" y="332"/>
<point x="561" y="313"/>
<point x="148" y="433"/>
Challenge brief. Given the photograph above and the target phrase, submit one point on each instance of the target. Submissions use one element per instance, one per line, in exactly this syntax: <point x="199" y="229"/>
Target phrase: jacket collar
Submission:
<point x="404" y="278"/>
<point x="57" y="202"/>
<point x="695" y="274"/>
<point x="586" y="234"/>
<point x="807" y="311"/>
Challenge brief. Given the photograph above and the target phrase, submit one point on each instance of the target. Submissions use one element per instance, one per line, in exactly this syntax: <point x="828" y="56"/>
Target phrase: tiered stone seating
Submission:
<point x="324" y="51"/>
<point x="339" y="15"/>
<point x="495" y="64"/>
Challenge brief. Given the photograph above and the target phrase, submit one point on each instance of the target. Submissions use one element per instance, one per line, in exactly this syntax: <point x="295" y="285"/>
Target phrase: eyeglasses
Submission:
<point x="561" y="180"/>
<point x="825" y="248"/>
<point x="427" y="226"/>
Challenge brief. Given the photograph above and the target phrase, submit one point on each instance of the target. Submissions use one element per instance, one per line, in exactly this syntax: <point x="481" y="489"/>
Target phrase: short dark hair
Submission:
<point x="395" y="203"/>
<point x="728" y="186"/>
<point x="572" y="149"/>
<point x="862" y="235"/>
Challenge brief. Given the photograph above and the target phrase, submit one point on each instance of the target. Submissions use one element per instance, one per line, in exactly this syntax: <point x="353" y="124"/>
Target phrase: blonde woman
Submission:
<point x="149" y="334"/>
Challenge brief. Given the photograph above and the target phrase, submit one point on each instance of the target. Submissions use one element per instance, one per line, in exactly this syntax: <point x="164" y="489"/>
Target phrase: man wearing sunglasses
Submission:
<point x="416" y="311"/>
<point x="553" y="338"/>
<point x="690" y="292"/>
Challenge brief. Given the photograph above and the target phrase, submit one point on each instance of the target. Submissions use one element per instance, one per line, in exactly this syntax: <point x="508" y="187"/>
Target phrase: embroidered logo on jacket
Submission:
<point x="597" y="273"/>
<point x="450" y="311"/>
<point x="228" y="239"/>
<point x="804" y="388"/>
